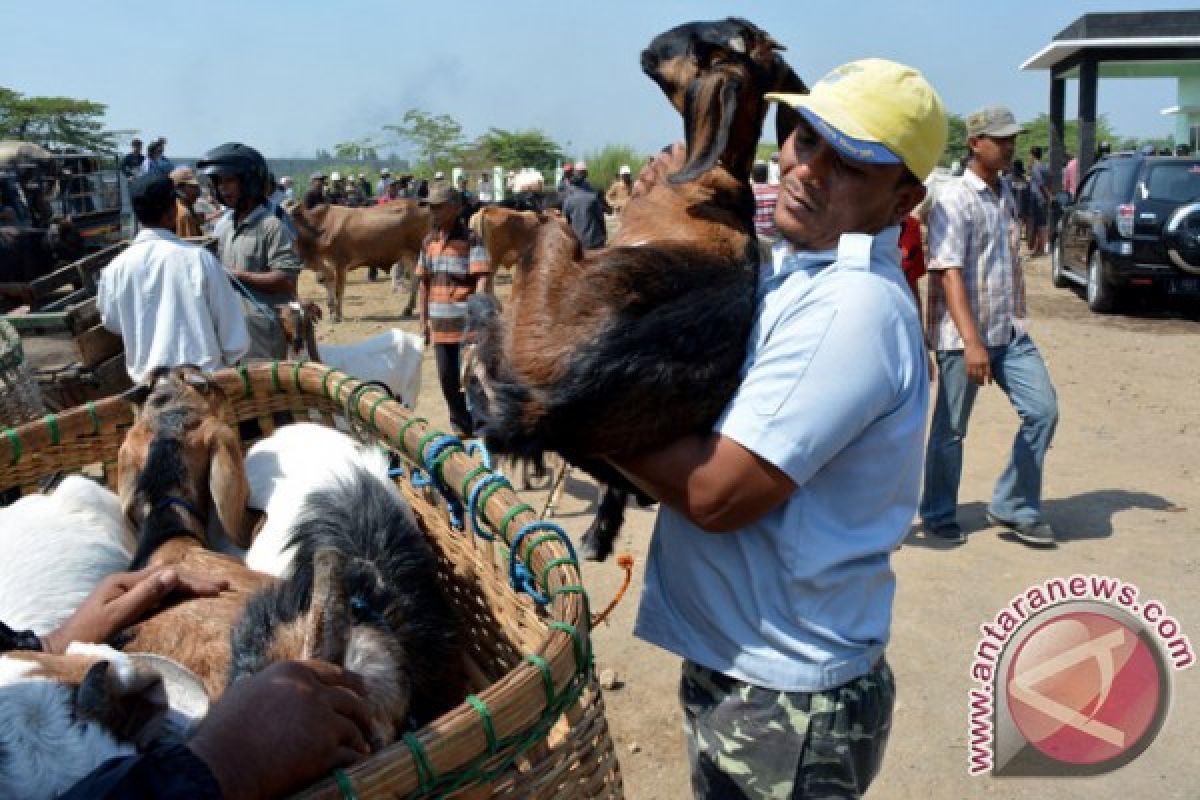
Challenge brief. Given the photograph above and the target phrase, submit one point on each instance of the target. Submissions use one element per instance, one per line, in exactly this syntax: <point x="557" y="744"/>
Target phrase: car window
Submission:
<point x="1085" y="191"/>
<point x="1174" y="183"/>
<point x="1103" y="192"/>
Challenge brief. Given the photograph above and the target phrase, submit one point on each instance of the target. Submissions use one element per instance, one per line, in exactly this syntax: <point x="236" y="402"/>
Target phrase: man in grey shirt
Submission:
<point x="255" y="246"/>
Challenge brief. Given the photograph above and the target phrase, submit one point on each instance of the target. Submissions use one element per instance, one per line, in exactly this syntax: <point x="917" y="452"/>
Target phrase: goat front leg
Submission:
<point x="597" y="542"/>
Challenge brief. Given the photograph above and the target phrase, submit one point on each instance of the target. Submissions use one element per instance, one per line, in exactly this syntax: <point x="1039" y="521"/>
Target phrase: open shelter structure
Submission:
<point x="1150" y="44"/>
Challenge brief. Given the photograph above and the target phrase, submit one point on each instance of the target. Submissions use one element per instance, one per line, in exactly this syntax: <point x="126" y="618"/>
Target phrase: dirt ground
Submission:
<point x="1121" y="490"/>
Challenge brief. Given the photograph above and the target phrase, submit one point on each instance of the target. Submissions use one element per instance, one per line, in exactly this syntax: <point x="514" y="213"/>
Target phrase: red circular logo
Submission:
<point x="1084" y="688"/>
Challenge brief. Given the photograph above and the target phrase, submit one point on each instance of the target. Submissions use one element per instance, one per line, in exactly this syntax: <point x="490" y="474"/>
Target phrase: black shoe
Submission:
<point x="1035" y="534"/>
<point x="949" y="532"/>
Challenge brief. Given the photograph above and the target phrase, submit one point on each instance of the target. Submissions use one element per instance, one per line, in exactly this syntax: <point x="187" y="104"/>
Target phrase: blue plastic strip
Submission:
<point x="473" y="508"/>
<point x="519" y="575"/>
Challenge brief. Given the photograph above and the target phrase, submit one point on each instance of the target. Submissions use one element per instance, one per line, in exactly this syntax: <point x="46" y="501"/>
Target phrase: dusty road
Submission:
<point x="1121" y="490"/>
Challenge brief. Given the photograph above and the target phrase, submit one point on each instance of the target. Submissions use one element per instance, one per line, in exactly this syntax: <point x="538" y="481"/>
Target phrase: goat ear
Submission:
<point x="131" y="704"/>
<point x="137" y="394"/>
<point x="227" y="483"/>
<point x="786" y="117"/>
<point x="327" y="629"/>
<point x="708" y="112"/>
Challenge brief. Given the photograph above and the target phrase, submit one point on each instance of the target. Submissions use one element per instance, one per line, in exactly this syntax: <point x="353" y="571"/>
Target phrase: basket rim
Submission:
<point x="516" y="704"/>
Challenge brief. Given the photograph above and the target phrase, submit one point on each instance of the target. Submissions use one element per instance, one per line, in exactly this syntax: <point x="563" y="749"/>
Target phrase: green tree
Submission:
<point x="516" y="149"/>
<point x="604" y="163"/>
<point x="956" y="139"/>
<point x="1037" y="132"/>
<point x="54" y="121"/>
<point x="434" y="138"/>
<point x="347" y="151"/>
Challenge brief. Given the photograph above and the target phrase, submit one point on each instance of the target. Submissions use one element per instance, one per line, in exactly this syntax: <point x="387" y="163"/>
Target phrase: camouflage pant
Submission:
<point x="748" y="742"/>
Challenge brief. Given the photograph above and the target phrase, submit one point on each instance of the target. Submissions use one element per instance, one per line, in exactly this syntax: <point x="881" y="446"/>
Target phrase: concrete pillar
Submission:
<point x="1187" y="95"/>
<point x="1056" y="157"/>
<point x="1087" y="115"/>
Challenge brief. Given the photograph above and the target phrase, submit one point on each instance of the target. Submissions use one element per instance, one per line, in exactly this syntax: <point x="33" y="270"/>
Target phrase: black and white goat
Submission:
<point x="379" y="608"/>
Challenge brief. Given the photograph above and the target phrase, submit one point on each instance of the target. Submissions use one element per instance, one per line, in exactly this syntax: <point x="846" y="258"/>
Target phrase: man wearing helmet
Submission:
<point x="256" y="246"/>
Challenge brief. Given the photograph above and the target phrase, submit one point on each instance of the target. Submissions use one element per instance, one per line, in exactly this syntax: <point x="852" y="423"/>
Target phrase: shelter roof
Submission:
<point x="1140" y="44"/>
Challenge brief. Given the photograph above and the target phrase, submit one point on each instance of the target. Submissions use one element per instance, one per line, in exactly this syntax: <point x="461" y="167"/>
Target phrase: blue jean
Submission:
<point x="1018" y="369"/>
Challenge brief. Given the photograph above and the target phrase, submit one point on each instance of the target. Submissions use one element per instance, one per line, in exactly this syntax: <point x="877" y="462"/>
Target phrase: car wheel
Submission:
<point x="1056" y="266"/>
<point x="1101" y="297"/>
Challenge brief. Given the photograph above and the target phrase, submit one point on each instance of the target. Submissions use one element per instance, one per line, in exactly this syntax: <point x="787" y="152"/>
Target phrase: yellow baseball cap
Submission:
<point x="878" y="112"/>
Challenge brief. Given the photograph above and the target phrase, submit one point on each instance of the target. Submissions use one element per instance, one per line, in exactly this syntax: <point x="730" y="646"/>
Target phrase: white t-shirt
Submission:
<point x="173" y="304"/>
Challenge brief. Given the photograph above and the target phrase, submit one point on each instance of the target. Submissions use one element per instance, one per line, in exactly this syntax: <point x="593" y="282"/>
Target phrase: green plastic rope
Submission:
<point x="337" y="389"/>
<point x="557" y="562"/>
<point x="16" y="444"/>
<point x="573" y="588"/>
<point x="325" y="382"/>
<point x="439" y="463"/>
<point x="426" y="439"/>
<point x="404" y="430"/>
<point x="512" y="512"/>
<point x="479" y="469"/>
<point x="547" y="675"/>
<point x="573" y="632"/>
<point x="344" y="785"/>
<point x="374" y="406"/>
<point x="275" y="377"/>
<point x="533" y="543"/>
<point x="356" y="397"/>
<point x="52" y="425"/>
<point x="484" y="495"/>
<point x="485" y="716"/>
<point x="425" y="775"/>
<point x="296" y="374"/>
<point x="91" y="409"/>
<point x="245" y="380"/>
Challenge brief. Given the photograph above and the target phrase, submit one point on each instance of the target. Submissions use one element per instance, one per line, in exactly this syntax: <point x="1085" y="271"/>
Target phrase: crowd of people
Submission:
<point x="813" y="474"/>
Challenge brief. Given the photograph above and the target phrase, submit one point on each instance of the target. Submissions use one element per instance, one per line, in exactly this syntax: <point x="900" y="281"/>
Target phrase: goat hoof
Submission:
<point x="593" y="548"/>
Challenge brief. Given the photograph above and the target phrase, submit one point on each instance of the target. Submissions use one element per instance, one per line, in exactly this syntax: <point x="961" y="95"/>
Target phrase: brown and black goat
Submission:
<point x="632" y="346"/>
<point x="362" y="590"/>
<point x="180" y="463"/>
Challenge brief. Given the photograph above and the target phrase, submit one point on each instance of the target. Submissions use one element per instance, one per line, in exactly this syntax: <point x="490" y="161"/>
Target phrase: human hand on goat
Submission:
<point x="122" y="599"/>
<point x="280" y="729"/>
<point x="670" y="160"/>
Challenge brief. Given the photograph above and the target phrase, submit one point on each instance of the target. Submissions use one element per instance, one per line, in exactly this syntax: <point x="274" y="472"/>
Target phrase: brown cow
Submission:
<point x="505" y="233"/>
<point x="333" y="240"/>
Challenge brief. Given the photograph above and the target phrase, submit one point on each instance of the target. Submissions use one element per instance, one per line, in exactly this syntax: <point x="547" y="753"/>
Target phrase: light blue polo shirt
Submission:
<point x="834" y="390"/>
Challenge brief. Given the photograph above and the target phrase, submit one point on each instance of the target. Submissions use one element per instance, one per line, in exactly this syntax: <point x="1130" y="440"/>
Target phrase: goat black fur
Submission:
<point x="391" y="582"/>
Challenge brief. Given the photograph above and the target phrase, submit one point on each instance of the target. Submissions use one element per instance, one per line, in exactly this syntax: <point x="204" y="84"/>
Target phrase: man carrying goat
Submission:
<point x="769" y="568"/>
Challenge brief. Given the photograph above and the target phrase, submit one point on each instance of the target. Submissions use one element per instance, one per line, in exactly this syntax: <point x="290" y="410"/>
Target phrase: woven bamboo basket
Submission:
<point x="20" y="399"/>
<point x="534" y="726"/>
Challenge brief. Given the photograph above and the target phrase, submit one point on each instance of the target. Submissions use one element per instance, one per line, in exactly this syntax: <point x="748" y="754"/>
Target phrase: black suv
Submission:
<point x="1134" y="222"/>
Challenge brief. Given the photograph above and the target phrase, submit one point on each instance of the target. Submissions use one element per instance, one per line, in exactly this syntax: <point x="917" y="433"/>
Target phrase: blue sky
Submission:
<point x="292" y="77"/>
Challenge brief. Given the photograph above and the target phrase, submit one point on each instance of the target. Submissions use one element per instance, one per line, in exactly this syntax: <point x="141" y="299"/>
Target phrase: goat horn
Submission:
<point x="328" y="613"/>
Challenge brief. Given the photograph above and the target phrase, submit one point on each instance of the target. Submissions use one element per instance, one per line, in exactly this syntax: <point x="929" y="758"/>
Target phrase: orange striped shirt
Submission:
<point x="453" y="266"/>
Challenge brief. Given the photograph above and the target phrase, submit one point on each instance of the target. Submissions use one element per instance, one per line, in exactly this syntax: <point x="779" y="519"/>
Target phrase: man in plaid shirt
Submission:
<point x="976" y="327"/>
<point x="453" y="265"/>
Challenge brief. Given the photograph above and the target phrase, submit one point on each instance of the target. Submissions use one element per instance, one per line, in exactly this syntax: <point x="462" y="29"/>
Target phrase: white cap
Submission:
<point x="439" y="176"/>
<point x="580" y="165"/>
<point x="624" y="170"/>
<point x="385" y="171"/>
<point x="335" y="176"/>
